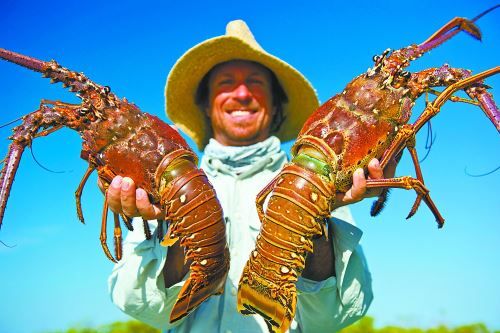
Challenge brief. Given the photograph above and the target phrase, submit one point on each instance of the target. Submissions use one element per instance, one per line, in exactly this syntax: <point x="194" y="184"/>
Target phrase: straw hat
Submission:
<point x="237" y="43"/>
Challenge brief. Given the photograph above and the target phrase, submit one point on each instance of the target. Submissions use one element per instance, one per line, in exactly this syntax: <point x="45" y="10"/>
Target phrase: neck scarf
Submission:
<point x="242" y="161"/>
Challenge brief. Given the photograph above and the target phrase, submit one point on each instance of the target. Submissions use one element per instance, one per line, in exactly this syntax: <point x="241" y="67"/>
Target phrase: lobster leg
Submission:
<point x="46" y="117"/>
<point x="117" y="231"/>
<point x="127" y="221"/>
<point x="147" y="230"/>
<point x="418" y="172"/>
<point x="379" y="204"/>
<point x="486" y="103"/>
<point x="410" y="145"/>
<point x="7" y="174"/>
<point x="78" y="192"/>
<point x="103" y="236"/>
<point x="107" y="176"/>
<point x="483" y="98"/>
<point x="406" y="137"/>
<point x="408" y="183"/>
<point x="442" y="75"/>
<point x="160" y="232"/>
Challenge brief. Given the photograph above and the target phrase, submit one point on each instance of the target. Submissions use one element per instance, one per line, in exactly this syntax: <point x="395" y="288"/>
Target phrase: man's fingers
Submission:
<point x="144" y="206"/>
<point x="374" y="169"/>
<point x="124" y="197"/>
<point x="358" y="188"/>
<point x="127" y="196"/>
<point x="113" y="195"/>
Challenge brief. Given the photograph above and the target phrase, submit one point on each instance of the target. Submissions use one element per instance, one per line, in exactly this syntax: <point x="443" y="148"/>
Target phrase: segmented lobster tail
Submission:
<point x="299" y="202"/>
<point x="197" y="222"/>
<point x="8" y="173"/>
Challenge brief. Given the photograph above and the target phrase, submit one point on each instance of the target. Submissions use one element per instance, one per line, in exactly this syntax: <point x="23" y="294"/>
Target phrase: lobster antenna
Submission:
<point x="485" y="12"/>
<point x="451" y="29"/>
<point x="429" y="141"/>
<point x="482" y="174"/>
<point x="76" y="82"/>
<point x="40" y="165"/>
<point x="22" y="60"/>
<point x="11" y="122"/>
<point x="9" y="246"/>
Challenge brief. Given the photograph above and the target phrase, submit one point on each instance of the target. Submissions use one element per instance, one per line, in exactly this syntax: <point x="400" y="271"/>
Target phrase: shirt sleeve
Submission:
<point x="344" y="298"/>
<point x="136" y="284"/>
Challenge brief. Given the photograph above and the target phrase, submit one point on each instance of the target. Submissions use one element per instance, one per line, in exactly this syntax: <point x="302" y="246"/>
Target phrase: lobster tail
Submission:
<point x="197" y="221"/>
<point x="299" y="202"/>
<point x="7" y="174"/>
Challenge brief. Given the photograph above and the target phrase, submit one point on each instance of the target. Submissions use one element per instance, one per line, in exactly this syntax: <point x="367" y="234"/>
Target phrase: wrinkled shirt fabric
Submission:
<point x="238" y="174"/>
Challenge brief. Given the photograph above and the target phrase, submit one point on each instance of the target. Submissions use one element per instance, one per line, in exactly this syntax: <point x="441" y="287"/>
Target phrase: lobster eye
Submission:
<point x="376" y="58"/>
<point x="106" y="89"/>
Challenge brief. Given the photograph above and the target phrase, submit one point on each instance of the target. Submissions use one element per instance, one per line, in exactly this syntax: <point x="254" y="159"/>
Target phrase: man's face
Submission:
<point x="240" y="105"/>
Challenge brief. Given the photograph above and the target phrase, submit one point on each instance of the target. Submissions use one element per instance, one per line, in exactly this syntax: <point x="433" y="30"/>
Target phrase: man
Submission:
<point x="237" y="101"/>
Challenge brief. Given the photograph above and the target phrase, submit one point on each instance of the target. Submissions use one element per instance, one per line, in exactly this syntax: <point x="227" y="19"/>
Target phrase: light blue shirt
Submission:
<point x="238" y="174"/>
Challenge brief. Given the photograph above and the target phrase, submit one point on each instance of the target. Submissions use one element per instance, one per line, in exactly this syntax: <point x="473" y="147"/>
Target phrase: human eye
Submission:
<point x="225" y="81"/>
<point x="256" y="80"/>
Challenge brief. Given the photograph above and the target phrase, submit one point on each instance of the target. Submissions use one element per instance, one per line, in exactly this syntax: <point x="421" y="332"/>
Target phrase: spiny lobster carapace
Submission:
<point x="120" y="139"/>
<point x="367" y="120"/>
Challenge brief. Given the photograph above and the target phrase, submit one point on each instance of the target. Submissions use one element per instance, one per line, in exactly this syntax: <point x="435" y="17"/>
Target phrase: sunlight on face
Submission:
<point x="240" y="104"/>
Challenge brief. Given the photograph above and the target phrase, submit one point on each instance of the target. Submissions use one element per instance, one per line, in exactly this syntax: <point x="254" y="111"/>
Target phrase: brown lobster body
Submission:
<point x="136" y="149"/>
<point x="367" y="120"/>
<point x="120" y="139"/>
<point x="348" y="131"/>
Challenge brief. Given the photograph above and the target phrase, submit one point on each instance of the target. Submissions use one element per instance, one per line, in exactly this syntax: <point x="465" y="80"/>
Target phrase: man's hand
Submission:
<point x="358" y="190"/>
<point x="124" y="197"/>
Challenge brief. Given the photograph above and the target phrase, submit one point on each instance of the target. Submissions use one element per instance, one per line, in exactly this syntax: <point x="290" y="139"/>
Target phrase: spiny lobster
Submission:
<point x="120" y="139"/>
<point x="367" y="120"/>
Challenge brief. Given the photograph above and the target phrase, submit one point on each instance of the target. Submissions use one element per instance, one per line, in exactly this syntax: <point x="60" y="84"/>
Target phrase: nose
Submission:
<point x="242" y="93"/>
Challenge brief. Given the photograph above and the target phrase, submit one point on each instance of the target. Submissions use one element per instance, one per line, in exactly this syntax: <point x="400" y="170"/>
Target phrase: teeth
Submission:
<point x="238" y="113"/>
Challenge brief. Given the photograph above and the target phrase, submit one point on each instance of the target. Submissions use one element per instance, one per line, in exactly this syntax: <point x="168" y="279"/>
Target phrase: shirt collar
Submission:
<point x="242" y="161"/>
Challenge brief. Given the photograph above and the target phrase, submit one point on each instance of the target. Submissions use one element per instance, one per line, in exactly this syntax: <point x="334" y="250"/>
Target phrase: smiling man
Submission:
<point x="238" y="102"/>
<point x="241" y="107"/>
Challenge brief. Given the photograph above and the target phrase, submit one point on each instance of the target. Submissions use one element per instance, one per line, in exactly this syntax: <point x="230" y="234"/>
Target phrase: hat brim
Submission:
<point x="185" y="76"/>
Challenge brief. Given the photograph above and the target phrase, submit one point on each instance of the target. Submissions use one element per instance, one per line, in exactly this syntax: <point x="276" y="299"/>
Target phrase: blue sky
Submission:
<point x="56" y="275"/>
